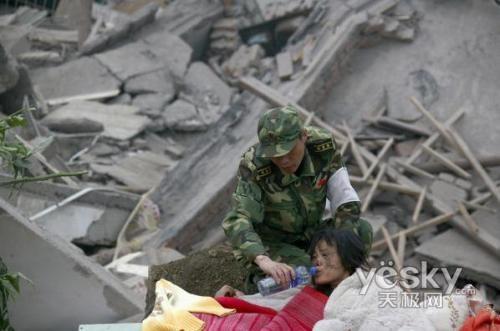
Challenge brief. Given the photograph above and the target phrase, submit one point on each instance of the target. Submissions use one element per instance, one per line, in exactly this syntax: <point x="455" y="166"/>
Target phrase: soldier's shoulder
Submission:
<point x="254" y="166"/>
<point x="320" y="140"/>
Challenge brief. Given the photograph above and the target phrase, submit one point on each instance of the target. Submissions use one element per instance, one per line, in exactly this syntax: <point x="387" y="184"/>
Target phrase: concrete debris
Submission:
<point x="245" y="61"/>
<point x="38" y="58"/>
<point x="419" y="82"/>
<point x="156" y="52"/>
<point x="153" y="82"/>
<point x="449" y="193"/>
<point x="285" y="65"/>
<point x="8" y="71"/>
<point x="75" y="125"/>
<point x="157" y="144"/>
<point x="81" y="79"/>
<point x="58" y="268"/>
<point x="52" y="37"/>
<point x="119" y="121"/>
<point x="183" y="116"/>
<point x="139" y="172"/>
<point x="152" y="104"/>
<point x="454" y="249"/>
<point x="207" y="92"/>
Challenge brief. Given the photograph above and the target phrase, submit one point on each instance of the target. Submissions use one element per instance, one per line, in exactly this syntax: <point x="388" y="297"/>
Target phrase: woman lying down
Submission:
<point x="340" y="259"/>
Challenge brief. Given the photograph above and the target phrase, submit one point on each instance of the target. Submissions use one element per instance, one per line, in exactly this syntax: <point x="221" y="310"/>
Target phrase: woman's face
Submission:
<point x="330" y="269"/>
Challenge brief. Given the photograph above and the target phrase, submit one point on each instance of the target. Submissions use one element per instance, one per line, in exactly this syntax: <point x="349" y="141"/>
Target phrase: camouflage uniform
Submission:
<point x="276" y="214"/>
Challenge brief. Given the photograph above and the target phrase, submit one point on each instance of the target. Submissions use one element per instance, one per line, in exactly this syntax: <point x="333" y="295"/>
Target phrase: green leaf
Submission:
<point x="14" y="281"/>
<point x="16" y="121"/>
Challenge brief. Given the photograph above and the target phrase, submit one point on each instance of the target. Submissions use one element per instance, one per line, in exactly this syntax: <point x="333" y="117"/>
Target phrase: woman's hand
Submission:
<point x="228" y="291"/>
<point x="282" y="273"/>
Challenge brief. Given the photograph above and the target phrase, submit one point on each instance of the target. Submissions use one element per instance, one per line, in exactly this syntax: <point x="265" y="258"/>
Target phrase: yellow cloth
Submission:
<point x="173" y="306"/>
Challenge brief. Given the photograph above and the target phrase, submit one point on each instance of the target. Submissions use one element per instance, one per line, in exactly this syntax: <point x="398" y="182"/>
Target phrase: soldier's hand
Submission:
<point x="282" y="273"/>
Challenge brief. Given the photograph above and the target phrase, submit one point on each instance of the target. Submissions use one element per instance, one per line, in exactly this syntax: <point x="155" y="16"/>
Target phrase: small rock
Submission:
<point x="465" y="184"/>
<point x="448" y="193"/>
<point x="74" y="125"/>
<point x="405" y="34"/>
<point x="447" y="177"/>
<point x="154" y="82"/>
<point x="151" y="104"/>
<point x="183" y="116"/>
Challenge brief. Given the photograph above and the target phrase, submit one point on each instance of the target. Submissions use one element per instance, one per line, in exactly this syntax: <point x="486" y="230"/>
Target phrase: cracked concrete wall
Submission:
<point x="68" y="289"/>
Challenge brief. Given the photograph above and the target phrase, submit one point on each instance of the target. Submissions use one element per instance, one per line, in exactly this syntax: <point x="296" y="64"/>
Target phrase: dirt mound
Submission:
<point x="201" y="273"/>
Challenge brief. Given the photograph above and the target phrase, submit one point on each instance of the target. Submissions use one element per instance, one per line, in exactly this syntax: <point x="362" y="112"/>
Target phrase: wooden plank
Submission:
<point x="471" y="223"/>
<point x="401" y="247"/>
<point x="435" y="136"/>
<point x="447" y="163"/>
<point x="438" y="125"/>
<point x="401" y="126"/>
<point x="418" y="207"/>
<point x="53" y="37"/>
<point x="432" y="222"/>
<point x="276" y="99"/>
<point x="380" y="155"/>
<point x="373" y="189"/>
<point x="415" y="170"/>
<point x="355" y="151"/>
<point x="469" y="205"/>
<point x="485" y="160"/>
<point x="464" y="148"/>
<point x="285" y="65"/>
<point x="392" y="250"/>
<point x="387" y="186"/>
<point x="83" y="97"/>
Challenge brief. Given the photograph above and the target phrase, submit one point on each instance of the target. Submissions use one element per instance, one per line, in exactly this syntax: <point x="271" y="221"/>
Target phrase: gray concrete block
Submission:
<point x="204" y="89"/>
<point x="151" y="104"/>
<point x="183" y="116"/>
<point x="8" y="71"/>
<point x="444" y="176"/>
<point x="447" y="192"/>
<point x="83" y="76"/>
<point x="68" y="289"/>
<point x="120" y="122"/>
<point x="153" y="82"/>
<point x="455" y="249"/>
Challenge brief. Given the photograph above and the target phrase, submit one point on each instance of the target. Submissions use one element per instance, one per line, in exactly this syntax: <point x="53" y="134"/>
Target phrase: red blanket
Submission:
<point x="484" y="321"/>
<point x="300" y="314"/>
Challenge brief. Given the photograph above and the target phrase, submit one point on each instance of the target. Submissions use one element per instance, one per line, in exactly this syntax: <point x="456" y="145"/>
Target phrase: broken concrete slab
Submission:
<point x="448" y="193"/>
<point x="204" y="89"/>
<point x="119" y="121"/>
<point x="81" y="79"/>
<point x="191" y="20"/>
<point x="8" y="71"/>
<point x="75" y="125"/>
<point x="420" y="83"/>
<point x="151" y="104"/>
<point x="95" y="218"/>
<point x="154" y="82"/>
<point x="183" y="116"/>
<point x="376" y="221"/>
<point x="158" y="51"/>
<point x="243" y="60"/>
<point x="139" y="172"/>
<point x="57" y="268"/>
<point x="454" y="249"/>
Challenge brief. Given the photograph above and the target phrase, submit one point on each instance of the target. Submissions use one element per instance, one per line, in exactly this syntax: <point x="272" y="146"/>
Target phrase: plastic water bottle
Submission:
<point x="268" y="285"/>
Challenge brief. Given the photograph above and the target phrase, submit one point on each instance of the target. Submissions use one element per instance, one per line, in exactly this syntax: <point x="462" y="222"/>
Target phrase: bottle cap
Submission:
<point x="313" y="271"/>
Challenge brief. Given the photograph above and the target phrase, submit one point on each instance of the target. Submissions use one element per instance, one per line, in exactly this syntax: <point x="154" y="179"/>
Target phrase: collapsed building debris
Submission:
<point x="163" y="98"/>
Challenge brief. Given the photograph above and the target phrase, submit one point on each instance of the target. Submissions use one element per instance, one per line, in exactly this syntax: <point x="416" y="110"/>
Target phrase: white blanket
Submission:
<point x="348" y="309"/>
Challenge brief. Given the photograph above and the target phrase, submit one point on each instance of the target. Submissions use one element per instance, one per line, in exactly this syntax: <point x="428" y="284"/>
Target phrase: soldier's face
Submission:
<point x="289" y="163"/>
<point x="330" y="269"/>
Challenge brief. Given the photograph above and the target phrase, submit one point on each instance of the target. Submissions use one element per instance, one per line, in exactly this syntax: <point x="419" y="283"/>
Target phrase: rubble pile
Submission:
<point x="160" y="99"/>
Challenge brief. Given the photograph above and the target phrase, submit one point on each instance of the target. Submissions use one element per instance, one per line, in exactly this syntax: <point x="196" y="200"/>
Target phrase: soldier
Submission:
<point x="283" y="183"/>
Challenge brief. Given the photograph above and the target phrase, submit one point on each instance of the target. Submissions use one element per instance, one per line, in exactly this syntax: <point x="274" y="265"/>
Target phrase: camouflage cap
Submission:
<point x="278" y="131"/>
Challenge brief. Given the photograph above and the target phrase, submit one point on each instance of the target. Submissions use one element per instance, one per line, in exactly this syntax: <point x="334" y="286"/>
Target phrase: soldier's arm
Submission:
<point x="344" y="201"/>
<point x="247" y="209"/>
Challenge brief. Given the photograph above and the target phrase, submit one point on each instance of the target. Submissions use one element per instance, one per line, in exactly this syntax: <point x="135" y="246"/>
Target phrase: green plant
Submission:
<point x="14" y="154"/>
<point x="9" y="287"/>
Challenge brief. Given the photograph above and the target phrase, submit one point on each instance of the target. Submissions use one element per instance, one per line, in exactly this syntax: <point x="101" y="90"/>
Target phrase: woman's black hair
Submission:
<point x="349" y="247"/>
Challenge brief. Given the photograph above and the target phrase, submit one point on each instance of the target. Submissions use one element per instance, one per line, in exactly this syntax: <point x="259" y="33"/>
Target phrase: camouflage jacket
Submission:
<point x="271" y="207"/>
